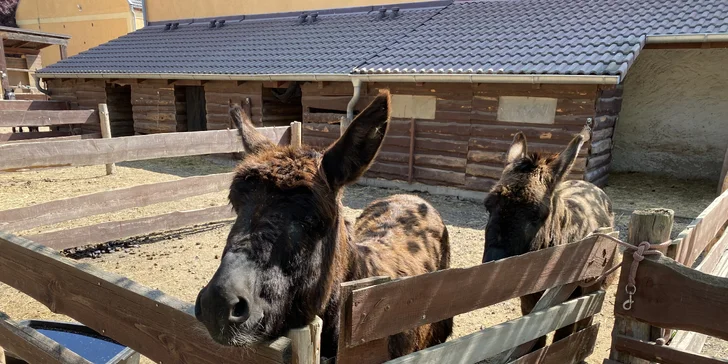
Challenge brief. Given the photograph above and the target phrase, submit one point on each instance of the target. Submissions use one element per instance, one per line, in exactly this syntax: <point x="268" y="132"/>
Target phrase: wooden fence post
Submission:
<point x="653" y="226"/>
<point x="296" y="139"/>
<point x="306" y="343"/>
<point x="106" y="133"/>
<point x="723" y="183"/>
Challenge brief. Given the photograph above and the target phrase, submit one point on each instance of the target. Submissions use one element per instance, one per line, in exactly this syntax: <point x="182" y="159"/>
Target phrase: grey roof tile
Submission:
<point x="590" y="37"/>
<point x="334" y="44"/>
<point x="600" y="37"/>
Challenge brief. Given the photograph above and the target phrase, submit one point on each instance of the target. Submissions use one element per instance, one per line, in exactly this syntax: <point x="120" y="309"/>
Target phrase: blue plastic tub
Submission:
<point x="85" y="342"/>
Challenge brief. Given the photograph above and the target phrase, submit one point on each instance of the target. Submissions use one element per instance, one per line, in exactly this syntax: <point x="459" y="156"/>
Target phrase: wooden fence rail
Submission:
<point x="158" y="326"/>
<point x="47" y="117"/>
<point x="110" y="201"/>
<point x="673" y="296"/>
<point x="393" y="307"/>
<point x="140" y="147"/>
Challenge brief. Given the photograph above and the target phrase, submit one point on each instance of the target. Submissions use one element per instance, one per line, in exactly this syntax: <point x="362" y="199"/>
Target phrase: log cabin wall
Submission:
<point x="608" y="106"/>
<point x="154" y="107"/>
<point x="218" y="95"/>
<point x="278" y="112"/>
<point x="458" y="140"/>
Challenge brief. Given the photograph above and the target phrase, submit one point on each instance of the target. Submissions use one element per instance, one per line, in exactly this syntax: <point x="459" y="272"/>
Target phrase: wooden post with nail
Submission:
<point x="653" y="226"/>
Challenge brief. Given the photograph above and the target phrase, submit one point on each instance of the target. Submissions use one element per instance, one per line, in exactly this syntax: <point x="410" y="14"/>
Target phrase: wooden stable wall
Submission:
<point x="608" y="105"/>
<point x="218" y="95"/>
<point x="462" y="145"/>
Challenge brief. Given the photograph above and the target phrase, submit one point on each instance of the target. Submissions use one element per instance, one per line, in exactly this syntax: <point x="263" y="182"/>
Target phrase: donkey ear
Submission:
<point x="253" y="141"/>
<point x="561" y="166"/>
<point x="518" y="148"/>
<point x="348" y="158"/>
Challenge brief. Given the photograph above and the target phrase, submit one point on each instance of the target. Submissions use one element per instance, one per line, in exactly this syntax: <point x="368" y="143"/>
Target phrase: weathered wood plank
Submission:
<point x="428" y="298"/>
<point x="140" y="147"/>
<point x="108" y="201"/>
<point x="661" y="353"/>
<point x="25" y="105"/>
<point x="40" y="138"/>
<point x="113" y="230"/>
<point x="493" y="340"/>
<point x="701" y="231"/>
<point x="306" y="343"/>
<point x="373" y="352"/>
<point x="47" y="117"/>
<point x="723" y="181"/>
<point x="572" y="349"/>
<point x="673" y="296"/>
<point x="32" y="346"/>
<point x="157" y="326"/>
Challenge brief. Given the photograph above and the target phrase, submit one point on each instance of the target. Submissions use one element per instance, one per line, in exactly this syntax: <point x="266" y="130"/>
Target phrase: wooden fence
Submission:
<point x="686" y="289"/>
<point x="150" y="322"/>
<point x="376" y="308"/>
<point x="55" y="114"/>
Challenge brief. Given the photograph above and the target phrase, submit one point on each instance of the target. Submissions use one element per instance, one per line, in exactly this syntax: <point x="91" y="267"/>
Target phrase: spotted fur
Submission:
<point x="533" y="207"/>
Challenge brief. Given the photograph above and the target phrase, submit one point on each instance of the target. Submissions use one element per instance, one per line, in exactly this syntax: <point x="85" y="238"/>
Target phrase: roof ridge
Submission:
<point x="324" y="11"/>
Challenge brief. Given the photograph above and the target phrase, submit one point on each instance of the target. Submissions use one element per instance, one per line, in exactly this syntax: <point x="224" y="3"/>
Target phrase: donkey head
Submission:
<point x="520" y="203"/>
<point x="281" y="257"/>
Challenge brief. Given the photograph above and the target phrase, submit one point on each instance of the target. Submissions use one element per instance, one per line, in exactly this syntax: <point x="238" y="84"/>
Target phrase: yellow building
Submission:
<point x="158" y="10"/>
<point x="89" y="23"/>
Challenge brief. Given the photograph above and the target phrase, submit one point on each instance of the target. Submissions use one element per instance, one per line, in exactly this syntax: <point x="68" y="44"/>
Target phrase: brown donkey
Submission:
<point x="533" y="207"/>
<point x="290" y="247"/>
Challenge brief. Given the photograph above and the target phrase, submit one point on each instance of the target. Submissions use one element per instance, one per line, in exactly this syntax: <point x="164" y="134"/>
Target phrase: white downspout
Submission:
<point x="352" y="103"/>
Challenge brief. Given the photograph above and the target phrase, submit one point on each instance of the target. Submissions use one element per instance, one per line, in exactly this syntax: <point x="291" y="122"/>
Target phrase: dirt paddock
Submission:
<point x="180" y="262"/>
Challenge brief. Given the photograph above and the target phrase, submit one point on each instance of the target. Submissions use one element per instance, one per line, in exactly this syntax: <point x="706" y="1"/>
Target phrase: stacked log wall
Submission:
<point x="464" y="146"/>
<point x="279" y="113"/>
<point x="154" y="107"/>
<point x="608" y="105"/>
<point x="217" y="98"/>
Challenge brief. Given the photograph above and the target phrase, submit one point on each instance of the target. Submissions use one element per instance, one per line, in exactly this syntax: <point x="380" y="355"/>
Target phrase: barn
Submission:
<point x="646" y="76"/>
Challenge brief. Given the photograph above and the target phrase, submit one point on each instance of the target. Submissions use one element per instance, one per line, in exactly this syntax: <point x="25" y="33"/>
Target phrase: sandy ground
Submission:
<point x="180" y="262"/>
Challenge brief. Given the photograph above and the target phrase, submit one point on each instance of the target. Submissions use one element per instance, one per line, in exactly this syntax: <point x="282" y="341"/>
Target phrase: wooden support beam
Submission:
<point x="171" y="82"/>
<point x="19" y="36"/>
<point x="64" y="51"/>
<point x="160" y="327"/>
<point x="653" y="226"/>
<point x="427" y="298"/>
<point x="240" y="83"/>
<point x="26" y="51"/>
<point x="411" y="165"/>
<point x="486" y="343"/>
<point x="106" y="133"/>
<point x="573" y="349"/>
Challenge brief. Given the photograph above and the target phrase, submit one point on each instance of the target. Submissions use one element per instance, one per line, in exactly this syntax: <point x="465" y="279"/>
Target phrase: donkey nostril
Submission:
<point x="240" y="312"/>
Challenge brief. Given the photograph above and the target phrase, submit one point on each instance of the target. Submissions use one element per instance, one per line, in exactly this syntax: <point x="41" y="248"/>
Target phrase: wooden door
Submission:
<point x="196" y="115"/>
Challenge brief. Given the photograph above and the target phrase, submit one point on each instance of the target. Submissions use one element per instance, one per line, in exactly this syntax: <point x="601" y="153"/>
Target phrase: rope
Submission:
<point x="644" y="248"/>
<point x="641" y="250"/>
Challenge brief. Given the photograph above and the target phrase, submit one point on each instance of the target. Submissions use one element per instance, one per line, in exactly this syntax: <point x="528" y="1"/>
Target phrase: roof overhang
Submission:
<point x="442" y="78"/>
<point x="686" y="38"/>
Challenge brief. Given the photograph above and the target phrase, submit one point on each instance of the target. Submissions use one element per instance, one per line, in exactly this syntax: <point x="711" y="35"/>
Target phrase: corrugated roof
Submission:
<point x="562" y="37"/>
<point x="597" y="37"/>
<point x="334" y="43"/>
